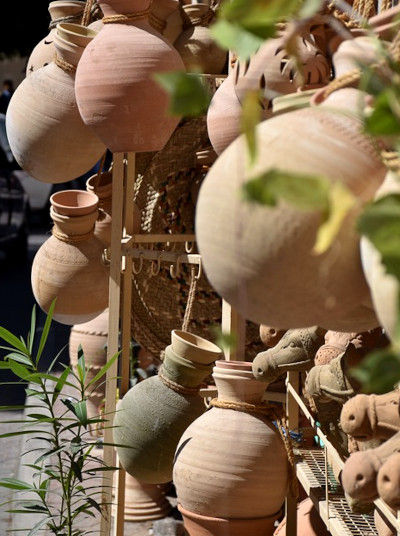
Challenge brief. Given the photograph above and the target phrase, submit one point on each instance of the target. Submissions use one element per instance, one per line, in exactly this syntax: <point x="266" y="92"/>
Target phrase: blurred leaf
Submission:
<point x="309" y="8"/>
<point x="379" y="371"/>
<point x="341" y="201"/>
<point x="380" y="223"/>
<point x="225" y="341"/>
<point x="384" y="118"/>
<point x="231" y="36"/>
<point x="259" y="13"/>
<point x="188" y="95"/>
<point x="45" y="332"/>
<point x="31" y="336"/>
<point x="251" y="116"/>
<point x="305" y="192"/>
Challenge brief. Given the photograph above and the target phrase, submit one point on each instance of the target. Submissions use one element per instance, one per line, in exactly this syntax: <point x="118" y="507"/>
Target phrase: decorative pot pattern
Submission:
<point x="68" y="266"/>
<point x="259" y="258"/>
<point x="115" y="90"/>
<point x="231" y="467"/>
<point x="46" y="133"/>
<point x="153" y="415"/>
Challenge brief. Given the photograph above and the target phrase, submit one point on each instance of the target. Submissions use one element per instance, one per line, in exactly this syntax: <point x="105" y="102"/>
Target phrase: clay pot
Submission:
<point x="270" y="336"/>
<point x="359" y="476"/>
<point x="68" y="266"/>
<point x="355" y="52"/>
<point x="231" y="467"/>
<point x="44" y="51"/>
<point x="309" y="523"/>
<point x="144" y="502"/>
<point x="295" y="351"/>
<point x="268" y="270"/>
<point x="223" y="116"/>
<point x="165" y="17"/>
<point x="116" y="94"/>
<point x="384" y="287"/>
<point x="46" y="133"/>
<point x="196" y="45"/>
<point x="371" y="416"/>
<point x="382" y="526"/>
<point x="389" y="481"/>
<point x="92" y="336"/>
<point x="386" y="23"/>
<point x="292" y="101"/>
<point x="152" y="416"/>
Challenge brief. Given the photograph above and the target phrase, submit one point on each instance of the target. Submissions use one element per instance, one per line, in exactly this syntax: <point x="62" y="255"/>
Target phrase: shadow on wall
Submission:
<point x="13" y="68"/>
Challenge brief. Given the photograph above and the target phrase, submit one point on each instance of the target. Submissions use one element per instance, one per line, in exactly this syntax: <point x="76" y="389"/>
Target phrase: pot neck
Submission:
<point x="102" y="188"/>
<point x="62" y="9"/>
<point x="184" y="371"/>
<point x="73" y="226"/>
<point x="111" y="8"/>
<point x="236" y="383"/>
<point x="71" y="40"/>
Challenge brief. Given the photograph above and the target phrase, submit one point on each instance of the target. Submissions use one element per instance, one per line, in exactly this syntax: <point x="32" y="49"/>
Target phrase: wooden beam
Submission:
<point x="234" y="323"/>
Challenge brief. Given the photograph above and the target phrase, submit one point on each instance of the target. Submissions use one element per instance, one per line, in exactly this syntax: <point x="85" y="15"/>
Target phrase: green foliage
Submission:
<point x="232" y="36"/>
<point x="225" y="341"/>
<point x="66" y="458"/>
<point x="251" y="115"/>
<point x="384" y="119"/>
<point x="379" y="371"/>
<point x="188" y="95"/>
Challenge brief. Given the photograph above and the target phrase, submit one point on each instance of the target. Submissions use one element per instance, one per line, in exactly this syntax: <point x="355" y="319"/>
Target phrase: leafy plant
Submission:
<point x="63" y="486"/>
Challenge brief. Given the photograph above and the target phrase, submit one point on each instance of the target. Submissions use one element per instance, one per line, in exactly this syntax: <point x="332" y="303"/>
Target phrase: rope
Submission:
<point x="373" y="417"/>
<point x="391" y="159"/>
<point x="87" y="12"/>
<point x="365" y="8"/>
<point x="157" y="23"/>
<point x="181" y="389"/>
<point x="70" y="18"/>
<point x="346" y="80"/>
<point x="386" y="4"/>
<point x="190" y="300"/>
<point x="75" y="239"/>
<point x="394" y="48"/>
<point x="64" y="65"/>
<point x="128" y="17"/>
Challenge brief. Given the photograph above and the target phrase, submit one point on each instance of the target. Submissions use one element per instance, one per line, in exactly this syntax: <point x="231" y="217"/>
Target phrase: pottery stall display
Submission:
<point x="153" y="415"/>
<point x="388" y="481"/>
<point x="44" y="51"/>
<point x="46" y="133"/>
<point x="116" y="93"/>
<point x="270" y="336"/>
<point x="231" y="468"/>
<point x="92" y="337"/>
<point x="268" y="270"/>
<point x="68" y="266"/>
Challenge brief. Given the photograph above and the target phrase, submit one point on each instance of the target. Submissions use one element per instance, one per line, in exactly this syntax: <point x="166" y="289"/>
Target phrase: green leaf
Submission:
<point x="380" y="223"/>
<point x="38" y="526"/>
<point x="80" y="411"/>
<point x="14" y="356"/>
<point x="231" y="36"/>
<point x="309" y="8"/>
<point x="20" y="371"/>
<point x="305" y="192"/>
<point x="259" y="13"/>
<point x="14" y="483"/>
<point x="13" y="340"/>
<point x="226" y="341"/>
<point x="103" y="370"/>
<point x="384" y="118"/>
<point x="251" y="116"/>
<point x="188" y="95"/>
<point x="379" y="371"/>
<point x="81" y="367"/>
<point x="60" y="384"/>
<point x="45" y="332"/>
<point x="31" y="336"/>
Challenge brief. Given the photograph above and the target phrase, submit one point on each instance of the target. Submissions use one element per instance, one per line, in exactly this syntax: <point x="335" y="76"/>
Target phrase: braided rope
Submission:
<point x="87" y="12"/>
<point x="178" y="388"/>
<point x="128" y="17"/>
<point x="69" y="18"/>
<point x="346" y="80"/>
<point x="391" y="159"/>
<point x="190" y="300"/>
<point x="386" y="4"/>
<point x="64" y="65"/>
<point x="365" y="8"/>
<point x="75" y="239"/>
<point x="157" y="23"/>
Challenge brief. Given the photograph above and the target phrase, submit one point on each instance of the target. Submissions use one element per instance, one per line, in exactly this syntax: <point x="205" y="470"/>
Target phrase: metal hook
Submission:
<point x="175" y="270"/>
<point x="156" y="271"/>
<point x="197" y="277"/>
<point x="135" y="270"/>
<point x="189" y="247"/>
<point x="105" y="257"/>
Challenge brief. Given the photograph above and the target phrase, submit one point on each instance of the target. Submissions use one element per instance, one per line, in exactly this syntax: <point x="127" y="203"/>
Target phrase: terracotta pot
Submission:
<point x="44" y="51"/>
<point x="268" y="270"/>
<point x="386" y="23"/>
<point x="384" y="287"/>
<point x="152" y="415"/>
<point x="292" y="101"/>
<point x="353" y="52"/>
<point x="389" y="481"/>
<point x="144" y="502"/>
<point x="295" y="351"/>
<point x="196" y="45"/>
<point x="46" y="133"/>
<point x="116" y="93"/>
<point x="231" y="465"/>
<point x="165" y="17"/>
<point x="359" y="476"/>
<point x="309" y="523"/>
<point x="92" y="336"/>
<point x="382" y="526"/>
<point x="68" y="266"/>
<point x="372" y="416"/>
<point x="223" y="116"/>
<point x="271" y="336"/>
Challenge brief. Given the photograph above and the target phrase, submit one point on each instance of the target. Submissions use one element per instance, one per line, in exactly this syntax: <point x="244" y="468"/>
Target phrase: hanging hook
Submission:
<point x="175" y="270"/>
<point x="189" y="247"/>
<point x="135" y="270"/>
<point x="156" y="266"/>
<point x="199" y="272"/>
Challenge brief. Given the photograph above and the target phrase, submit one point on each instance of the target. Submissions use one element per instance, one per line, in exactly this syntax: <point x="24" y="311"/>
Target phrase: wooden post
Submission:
<point x="113" y="335"/>
<point x="292" y="411"/>
<point x="234" y="323"/>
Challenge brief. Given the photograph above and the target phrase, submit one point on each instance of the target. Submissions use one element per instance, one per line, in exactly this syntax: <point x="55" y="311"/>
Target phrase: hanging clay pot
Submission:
<point x="231" y="467"/>
<point x="309" y="522"/>
<point x="92" y="336"/>
<point x="372" y="416"/>
<point x="144" y="502"/>
<point x="270" y="336"/>
<point x="116" y="93"/>
<point x="352" y="53"/>
<point x="389" y="481"/>
<point x="260" y="259"/>
<point x="153" y="415"/>
<point x="384" y="287"/>
<point x="359" y="475"/>
<point x="196" y="45"/>
<point x="46" y="133"/>
<point x="295" y="351"/>
<point x="68" y="266"/>
<point x="383" y="527"/>
<point x="166" y="17"/>
<point x="44" y="51"/>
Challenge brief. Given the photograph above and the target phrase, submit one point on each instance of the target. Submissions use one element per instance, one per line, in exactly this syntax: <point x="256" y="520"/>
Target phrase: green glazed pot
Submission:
<point x="152" y="416"/>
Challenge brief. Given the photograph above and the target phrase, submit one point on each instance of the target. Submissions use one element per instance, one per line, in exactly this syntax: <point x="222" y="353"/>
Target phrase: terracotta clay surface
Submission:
<point x="71" y="272"/>
<point x="270" y="336"/>
<point x="353" y="52"/>
<point x="389" y="481"/>
<point x="335" y="343"/>
<point x="309" y="522"/>
<point x="260" y="259"/>
<point x="165" y="17"/>
<point x="116" y="93"/>
<point x="46" y="133"/>
<point x="231" y="465"/>
<point x="144" y="502"/>
<point x="382" y="526"/>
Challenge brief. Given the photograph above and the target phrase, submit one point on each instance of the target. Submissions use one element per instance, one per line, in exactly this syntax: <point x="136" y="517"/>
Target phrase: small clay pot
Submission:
<point x="295" y="351"/>
<point x="193" y="347"/>
<point x="355" y="52"/>
<point x="144" y="502"/>
<point x="389" y="481"/>
<point x="371" y="416"/>
<point x="386" y="23"/>
<point x="270" y="336"/>
<point x="309" y="522"/>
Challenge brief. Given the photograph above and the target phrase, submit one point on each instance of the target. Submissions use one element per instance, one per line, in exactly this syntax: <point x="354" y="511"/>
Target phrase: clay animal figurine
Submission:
<point x="389" y="481"/>
<point x="271" y="336"/>
<point x="295" y="351"/>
